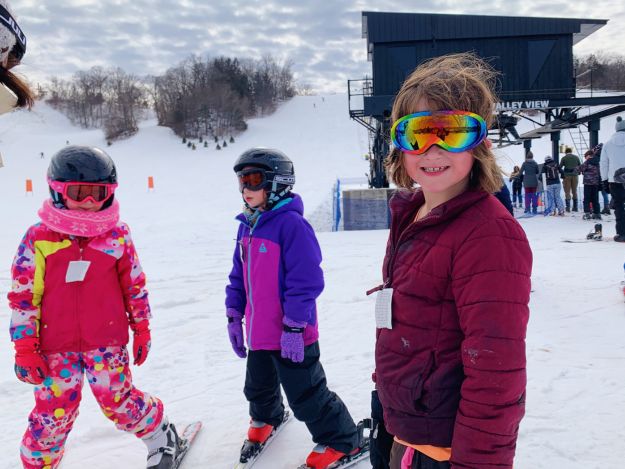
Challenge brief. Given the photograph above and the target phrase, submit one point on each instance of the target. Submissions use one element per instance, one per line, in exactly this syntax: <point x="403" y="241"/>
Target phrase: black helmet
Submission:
<point x="81" y="164"/>
<point x="277" y="167"/>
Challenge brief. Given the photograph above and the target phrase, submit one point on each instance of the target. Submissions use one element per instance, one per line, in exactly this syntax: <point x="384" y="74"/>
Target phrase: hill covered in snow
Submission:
<point x="184" y="231"/>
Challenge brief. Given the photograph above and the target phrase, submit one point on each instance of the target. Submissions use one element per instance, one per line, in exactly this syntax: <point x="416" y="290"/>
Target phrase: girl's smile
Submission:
<point x="433" y="171"/>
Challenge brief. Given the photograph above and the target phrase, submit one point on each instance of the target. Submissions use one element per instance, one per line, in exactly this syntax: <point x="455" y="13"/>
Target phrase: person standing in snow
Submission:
<point x="77" y="288"/>
<point x="275" y="280"/>
<point x="606" y="197"/>
<point x="14" y="92"/>
<point x="592" y="182"/>
<point x="612" y="166"/>
<point x="530" y="173"/>
<point x="516" y="178"/>
<point x="570" y="165"/>
<point x="453" y="308"/>
<point x="554" y="199"/>
<point x="503" y="195"/>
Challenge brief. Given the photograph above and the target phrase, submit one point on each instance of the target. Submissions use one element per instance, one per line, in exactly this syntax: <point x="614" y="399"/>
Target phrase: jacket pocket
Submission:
<point x="405" y="395"/>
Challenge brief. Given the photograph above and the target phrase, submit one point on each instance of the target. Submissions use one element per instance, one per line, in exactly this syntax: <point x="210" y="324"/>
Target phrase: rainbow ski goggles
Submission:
<point x="453" y="131"/>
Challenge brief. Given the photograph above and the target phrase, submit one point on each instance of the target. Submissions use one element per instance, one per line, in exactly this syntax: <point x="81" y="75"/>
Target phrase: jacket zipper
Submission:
<point x="394" y="247"/>
<point x="411" y="229"/>
<point x="76" y="300"/>
<point x="249" y="286"/>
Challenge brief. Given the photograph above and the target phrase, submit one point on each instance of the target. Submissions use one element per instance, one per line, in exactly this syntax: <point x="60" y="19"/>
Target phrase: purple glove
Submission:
<point x="292" y="340"/>
<point x="235" y="332"/>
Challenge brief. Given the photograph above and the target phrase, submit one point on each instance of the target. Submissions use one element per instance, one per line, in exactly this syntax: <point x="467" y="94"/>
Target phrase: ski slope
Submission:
<point x="184" y="231"/>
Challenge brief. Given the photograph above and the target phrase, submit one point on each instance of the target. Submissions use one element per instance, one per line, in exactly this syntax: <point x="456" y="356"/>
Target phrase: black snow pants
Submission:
<point x="618" y="196"/>
<point x="381" y="441"/>
<point x="304" y="384"/>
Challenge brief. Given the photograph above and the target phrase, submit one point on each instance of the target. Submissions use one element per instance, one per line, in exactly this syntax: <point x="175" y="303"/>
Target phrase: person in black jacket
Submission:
<point x="555" y="205"/>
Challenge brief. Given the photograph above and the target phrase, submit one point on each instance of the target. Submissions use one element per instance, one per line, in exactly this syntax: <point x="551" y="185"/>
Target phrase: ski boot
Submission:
<point x="596" y="234"/>
<point x="164" y="446"/>
<point x="587" y="216"/>
<point x="259" y="431"/>
<point x="259" y="435"/>
<point x="323" y="456"/>
<point x="596" y="216"/>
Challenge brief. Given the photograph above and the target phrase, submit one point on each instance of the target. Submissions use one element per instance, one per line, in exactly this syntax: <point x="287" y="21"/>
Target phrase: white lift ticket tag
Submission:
<point x="383" y="309"/>
<point x="76" y="271"/>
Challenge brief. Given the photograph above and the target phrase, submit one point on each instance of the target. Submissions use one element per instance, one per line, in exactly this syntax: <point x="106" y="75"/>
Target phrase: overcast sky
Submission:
<point x="322" y="37"/>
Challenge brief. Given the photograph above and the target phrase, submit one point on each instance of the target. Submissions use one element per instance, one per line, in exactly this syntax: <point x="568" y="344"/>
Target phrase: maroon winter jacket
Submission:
<point x="451" y="372"/>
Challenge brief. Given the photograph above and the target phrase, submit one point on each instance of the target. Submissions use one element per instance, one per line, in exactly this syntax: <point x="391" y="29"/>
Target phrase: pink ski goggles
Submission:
<point x="83" y="191"/>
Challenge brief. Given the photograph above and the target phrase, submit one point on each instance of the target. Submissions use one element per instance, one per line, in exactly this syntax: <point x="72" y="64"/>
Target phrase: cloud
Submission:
<point x="323" y="39"/>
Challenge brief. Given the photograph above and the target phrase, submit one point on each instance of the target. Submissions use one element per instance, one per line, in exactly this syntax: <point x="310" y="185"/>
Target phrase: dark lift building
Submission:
<point x="533" y="55"/>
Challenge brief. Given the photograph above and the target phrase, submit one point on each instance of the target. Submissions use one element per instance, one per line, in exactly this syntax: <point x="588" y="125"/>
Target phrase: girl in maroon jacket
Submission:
<point x="77" y="289"/>
<point x="453" y="310"/>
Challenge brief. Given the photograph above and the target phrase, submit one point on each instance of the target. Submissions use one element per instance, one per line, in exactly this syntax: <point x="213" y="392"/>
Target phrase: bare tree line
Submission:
<point x="110" y="99"/>
<point x="197" y="98"/>
<point x="601" y="71"/>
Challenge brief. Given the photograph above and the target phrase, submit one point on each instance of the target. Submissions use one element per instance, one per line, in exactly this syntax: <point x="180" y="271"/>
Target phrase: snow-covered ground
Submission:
<point x="184" y="232"/>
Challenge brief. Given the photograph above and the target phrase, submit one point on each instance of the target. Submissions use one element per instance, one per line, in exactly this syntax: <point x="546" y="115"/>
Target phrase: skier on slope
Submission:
<point x="14" y="92"/>
<point x="275" y="280"/>
<point x="77" y="288"/>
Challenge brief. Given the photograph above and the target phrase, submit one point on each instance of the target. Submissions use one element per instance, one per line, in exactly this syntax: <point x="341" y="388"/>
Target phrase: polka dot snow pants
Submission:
<point x="58" y="397"/>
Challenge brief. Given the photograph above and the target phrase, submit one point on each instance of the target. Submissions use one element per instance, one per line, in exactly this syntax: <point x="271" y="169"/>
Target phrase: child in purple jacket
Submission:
<point x="275" y="280"/>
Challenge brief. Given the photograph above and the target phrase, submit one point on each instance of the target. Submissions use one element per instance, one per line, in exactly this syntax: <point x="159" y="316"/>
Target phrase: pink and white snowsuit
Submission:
<point x="82" y="328"/>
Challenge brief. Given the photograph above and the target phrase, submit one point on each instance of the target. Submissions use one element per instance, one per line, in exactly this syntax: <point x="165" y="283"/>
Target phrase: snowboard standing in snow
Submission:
<point x="595" y="235"/>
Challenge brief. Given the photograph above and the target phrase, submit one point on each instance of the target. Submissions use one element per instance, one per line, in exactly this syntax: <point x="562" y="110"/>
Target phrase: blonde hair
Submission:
<point x="456" y="81"/>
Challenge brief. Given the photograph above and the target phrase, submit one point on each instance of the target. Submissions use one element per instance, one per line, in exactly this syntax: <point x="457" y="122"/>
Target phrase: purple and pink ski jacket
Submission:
<point x="276" y="273"/>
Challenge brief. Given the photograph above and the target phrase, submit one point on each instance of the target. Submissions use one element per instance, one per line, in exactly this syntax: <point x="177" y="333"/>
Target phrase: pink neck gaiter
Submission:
<point x="78" y="222"/>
